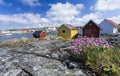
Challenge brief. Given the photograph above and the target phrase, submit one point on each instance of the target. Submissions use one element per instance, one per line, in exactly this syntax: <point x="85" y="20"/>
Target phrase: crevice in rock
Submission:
<point x="36" y="54"/>
<point x="30" y="74"/>
<point x="25" y="68"/>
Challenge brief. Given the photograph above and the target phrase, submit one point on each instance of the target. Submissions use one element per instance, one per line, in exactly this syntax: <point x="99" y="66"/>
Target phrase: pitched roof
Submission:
<point x="112" y="22"/>
<point x="69" y="26"/>
<point x="37" y="32"/>
<point x="92" y="22"/>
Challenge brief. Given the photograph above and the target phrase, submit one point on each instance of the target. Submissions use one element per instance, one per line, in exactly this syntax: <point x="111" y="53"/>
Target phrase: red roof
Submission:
<point x="113" y="23"/>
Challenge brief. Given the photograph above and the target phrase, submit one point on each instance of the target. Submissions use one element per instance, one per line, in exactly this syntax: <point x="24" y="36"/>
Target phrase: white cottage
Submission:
<point x="79" y="29"/>
<point x="108" y="26"/>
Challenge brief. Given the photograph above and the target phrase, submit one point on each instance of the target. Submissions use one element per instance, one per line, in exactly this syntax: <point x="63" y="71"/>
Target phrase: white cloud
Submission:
<point x="116" y="19"/>
<point x="58" y="14"/>
<point x="94" y="16"/>
<point x="12" y="18"/>
<point x="63" y="13"/>
<point x="68" y="13"/>
<point x="108" y="8"/>
<point x="31" y="2"/>
<point x="107" y="5"/>
<point x="23" y="20"/>
<point x="84" y="19"/>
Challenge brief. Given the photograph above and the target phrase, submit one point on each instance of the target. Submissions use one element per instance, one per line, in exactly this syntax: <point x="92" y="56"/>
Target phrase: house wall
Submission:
<point x="115" y="30"/>
<point x="79" y="31"/>
<point x="74" y="33"/>
<point x="91" y="30"/>
<point x="107" y="28"/>
<point x="42" y="35"/>
<point x="67" y="35"/>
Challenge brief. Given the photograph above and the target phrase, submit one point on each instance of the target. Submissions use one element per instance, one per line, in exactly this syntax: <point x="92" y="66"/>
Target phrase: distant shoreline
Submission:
<point x="14" y="36"/>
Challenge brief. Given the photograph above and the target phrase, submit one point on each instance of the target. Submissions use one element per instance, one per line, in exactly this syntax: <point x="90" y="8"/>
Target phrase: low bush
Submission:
<point x="105" y="35"/>
<point x="98" y="54"/>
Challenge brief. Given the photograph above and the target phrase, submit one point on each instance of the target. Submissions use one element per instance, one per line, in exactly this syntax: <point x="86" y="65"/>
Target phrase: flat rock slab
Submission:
<point x="23" y="60"/>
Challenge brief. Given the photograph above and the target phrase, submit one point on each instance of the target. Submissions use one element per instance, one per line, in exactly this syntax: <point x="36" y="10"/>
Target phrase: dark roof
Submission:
<point x="92" y="22"/>
<point x="37" y="32"/>
<point x="69" y="26"/>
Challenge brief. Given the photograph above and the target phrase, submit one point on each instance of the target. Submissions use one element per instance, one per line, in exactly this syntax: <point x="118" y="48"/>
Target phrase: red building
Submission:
<point x="91" y="29"/>
<point x="39" y="34"/>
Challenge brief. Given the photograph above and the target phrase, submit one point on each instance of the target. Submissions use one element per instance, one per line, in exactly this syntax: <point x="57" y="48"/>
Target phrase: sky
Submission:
<point x="15" y="14"/>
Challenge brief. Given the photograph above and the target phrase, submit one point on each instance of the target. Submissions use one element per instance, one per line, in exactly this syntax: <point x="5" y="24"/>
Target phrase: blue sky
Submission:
<point x="46" y="13"/>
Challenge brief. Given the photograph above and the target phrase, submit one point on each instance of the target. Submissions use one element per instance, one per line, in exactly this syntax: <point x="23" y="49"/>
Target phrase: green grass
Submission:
<point x="103" y="62"/>
<point x="17" y="42"/>
<point x="56" y="38"/>
<point x="27" y="40"/>
<point x="105" y="35"/>
<point x="98" y="61"/>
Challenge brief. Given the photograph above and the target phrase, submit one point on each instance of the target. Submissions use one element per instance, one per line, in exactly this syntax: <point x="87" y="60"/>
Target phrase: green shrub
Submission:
<point x="98" y="54"/>
<point x="118" y="29"/>
<point x="105" y="35"/>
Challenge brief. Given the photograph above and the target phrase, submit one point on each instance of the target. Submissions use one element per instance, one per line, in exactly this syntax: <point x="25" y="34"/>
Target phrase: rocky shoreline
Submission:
<point x="41" y="58"/>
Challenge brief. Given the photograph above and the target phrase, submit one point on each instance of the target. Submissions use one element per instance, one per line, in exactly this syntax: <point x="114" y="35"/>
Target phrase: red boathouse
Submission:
<point x="39" y="34"/>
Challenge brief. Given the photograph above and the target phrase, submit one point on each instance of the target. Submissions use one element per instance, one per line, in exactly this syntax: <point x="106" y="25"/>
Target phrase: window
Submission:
<point x="63" y="31"/>
<point x="90" y="24"/>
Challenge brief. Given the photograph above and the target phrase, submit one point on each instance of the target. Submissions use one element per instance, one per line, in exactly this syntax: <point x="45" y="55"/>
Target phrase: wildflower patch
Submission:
<point x="97" y="54"/>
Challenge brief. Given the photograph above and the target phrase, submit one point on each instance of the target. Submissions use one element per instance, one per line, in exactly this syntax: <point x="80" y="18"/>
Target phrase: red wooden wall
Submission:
<point x="91" y="30"/>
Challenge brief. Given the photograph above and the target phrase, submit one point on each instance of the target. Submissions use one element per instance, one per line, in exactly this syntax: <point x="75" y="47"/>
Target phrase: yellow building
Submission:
<point x="67" y="31"/>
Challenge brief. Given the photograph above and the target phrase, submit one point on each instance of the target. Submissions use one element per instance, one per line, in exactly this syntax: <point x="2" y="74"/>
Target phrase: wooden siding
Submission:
<point x="91" y="30"/>
<point x="42" y="35"/>
<point x="107" y="27"/>
<point x="66" y="35"/>
<point x="74" y="33"/>
<point x="39" y="34"/>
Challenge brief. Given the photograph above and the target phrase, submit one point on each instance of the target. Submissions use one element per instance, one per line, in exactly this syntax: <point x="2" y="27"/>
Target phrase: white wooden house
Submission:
<point x="79" y="29"/>
<point x="108" y="26"/>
